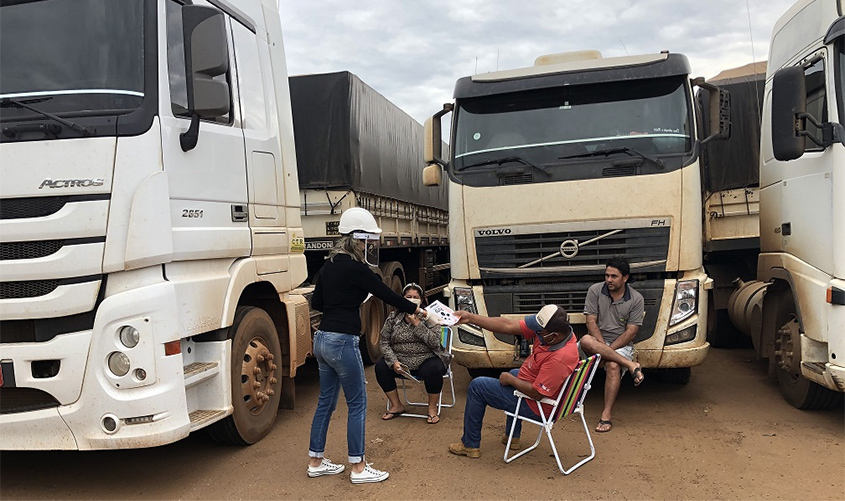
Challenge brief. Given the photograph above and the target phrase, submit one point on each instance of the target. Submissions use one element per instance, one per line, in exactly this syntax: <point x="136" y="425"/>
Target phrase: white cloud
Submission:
<point x="413" y="52"/>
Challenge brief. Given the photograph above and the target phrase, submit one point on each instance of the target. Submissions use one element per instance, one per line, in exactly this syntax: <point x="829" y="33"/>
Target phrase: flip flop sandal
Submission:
<point x="639" y="371"/>
<point x="433" y="419"/>
<point x="604" y="422"/>
<point x="387" y="416"/>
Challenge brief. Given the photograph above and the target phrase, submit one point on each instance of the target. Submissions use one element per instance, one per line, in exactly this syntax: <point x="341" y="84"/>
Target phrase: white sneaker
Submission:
<point x="369" y="475"/>
<point x="326" y="468"/>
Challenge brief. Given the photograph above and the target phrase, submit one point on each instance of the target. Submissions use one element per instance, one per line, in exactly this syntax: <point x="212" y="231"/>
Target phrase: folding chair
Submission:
<point x="570" y="400"/>
<point x="446" y="341"/>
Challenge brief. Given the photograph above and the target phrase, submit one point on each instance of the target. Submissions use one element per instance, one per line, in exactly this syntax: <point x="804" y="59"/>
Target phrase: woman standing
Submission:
<point x="343" y="284"/>
<point x="405" y="339"/>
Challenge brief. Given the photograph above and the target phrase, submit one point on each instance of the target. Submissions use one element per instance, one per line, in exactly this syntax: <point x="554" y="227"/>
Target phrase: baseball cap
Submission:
<point x="550" y="318"/>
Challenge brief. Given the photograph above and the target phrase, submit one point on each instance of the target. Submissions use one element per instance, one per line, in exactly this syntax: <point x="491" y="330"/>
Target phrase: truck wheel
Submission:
<point x="256" y="379"/>
<point x="799" y="391"/>
<point x="372" y="320"/>
<point x="680" y="375"/>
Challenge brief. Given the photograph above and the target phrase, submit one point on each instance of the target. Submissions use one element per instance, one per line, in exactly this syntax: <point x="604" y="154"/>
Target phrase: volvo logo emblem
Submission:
<point x="569" y="248"/>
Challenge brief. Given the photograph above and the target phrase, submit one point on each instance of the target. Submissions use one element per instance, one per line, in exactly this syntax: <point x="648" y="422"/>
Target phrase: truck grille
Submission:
<point x="32" y="250"/>
<point x="520" y="254"/>
<point x="29" y="250"/>
<point x="20" y="208"/>
<point x="526" y="299"/>
<point x="32" y="288"/>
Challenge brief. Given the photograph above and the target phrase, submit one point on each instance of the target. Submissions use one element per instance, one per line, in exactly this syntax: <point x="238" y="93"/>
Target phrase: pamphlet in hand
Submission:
<point x="441" y="313"/>
<point x="405" y="372"/>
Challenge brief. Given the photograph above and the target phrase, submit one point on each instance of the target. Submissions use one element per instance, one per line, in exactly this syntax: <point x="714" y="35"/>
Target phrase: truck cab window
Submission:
<point x="177" y="71"/>
<point x="814" y="76"/>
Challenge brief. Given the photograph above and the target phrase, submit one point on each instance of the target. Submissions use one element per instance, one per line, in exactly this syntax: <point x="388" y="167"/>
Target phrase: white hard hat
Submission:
<point x="357" y="219"/>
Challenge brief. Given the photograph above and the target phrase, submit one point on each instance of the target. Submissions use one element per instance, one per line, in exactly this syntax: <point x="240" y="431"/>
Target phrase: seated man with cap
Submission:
<point x="552" y="360"/>
<point x="554" y="356"/>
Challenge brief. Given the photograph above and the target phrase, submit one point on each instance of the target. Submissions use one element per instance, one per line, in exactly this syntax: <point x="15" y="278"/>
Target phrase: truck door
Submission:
<point x="208" y="184"/>
<point x="259" y="120"/>
<point x="808" y="184"/>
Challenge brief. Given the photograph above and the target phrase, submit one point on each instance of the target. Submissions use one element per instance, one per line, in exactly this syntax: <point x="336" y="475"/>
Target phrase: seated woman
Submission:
<point x="408" y="340"/>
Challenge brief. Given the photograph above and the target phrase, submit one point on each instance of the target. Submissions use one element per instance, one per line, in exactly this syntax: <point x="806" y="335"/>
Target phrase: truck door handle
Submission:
<point x="239" y="213"/>
<point x="786" y="229"/>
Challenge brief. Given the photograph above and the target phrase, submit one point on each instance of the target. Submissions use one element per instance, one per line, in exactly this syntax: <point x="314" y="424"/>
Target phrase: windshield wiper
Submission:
<point x="620" y="149"/>
<point x="8" y="102"/>
<point x="507" y="160"/>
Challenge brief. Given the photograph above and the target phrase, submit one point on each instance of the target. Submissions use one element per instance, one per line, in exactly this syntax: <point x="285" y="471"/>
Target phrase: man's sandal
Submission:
<point x="638" y="376"/>
<point x="602" y="423"/>
<point x="432" y="419"/>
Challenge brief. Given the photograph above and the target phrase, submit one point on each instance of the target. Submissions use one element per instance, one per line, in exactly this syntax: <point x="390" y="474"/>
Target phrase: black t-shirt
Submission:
<point x="342" y="286"/>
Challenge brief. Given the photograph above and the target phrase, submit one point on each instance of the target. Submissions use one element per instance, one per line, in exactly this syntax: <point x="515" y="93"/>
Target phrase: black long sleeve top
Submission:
<point x="342" y="286"/>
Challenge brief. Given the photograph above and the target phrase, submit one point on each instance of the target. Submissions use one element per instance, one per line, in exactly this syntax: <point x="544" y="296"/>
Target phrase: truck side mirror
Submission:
<point x="719" y="110"/>
<point x="789" y="99"/>
<point x="432" y="151"/>
<point x="206" y="57"/>
<point x="432" y="174"/>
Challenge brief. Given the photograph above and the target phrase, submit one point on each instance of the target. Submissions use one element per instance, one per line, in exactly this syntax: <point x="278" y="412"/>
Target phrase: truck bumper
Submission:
<point x="670" y="358"/>
<point x="85" y="406"/>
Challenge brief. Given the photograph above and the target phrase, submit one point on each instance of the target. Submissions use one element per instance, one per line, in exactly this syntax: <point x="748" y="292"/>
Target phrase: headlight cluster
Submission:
<point x="685" y="304"/>
<point x="118" y="362"/>
<point x="464" y="300"/>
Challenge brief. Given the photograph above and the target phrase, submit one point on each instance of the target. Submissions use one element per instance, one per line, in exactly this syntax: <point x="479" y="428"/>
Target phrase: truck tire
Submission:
<point x="373" y="319"/>
<point x="256" y="379"/>
<point x="680" y="375"/>
<point x="799" y="391"/>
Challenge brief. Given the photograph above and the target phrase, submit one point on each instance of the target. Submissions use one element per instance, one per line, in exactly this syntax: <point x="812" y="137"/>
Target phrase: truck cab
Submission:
<point x="557" y="167"/>
<point x="150" y="223"/>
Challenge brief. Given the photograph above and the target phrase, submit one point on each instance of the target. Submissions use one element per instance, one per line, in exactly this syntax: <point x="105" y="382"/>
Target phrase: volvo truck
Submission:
<point x="149" y="223"/>
<point x="557" y="167"/>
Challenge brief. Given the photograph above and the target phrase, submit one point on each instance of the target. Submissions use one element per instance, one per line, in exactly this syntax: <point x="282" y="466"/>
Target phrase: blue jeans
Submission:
<point x="484" y="391"/>
<point x="340" y="366"/>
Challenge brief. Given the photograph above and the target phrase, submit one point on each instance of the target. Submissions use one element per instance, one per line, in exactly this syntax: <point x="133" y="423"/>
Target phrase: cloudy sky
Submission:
<point x="413" y="51"/>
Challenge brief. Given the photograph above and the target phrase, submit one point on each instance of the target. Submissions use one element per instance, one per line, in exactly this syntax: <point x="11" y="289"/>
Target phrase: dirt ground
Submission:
<point x="726" y="435"/>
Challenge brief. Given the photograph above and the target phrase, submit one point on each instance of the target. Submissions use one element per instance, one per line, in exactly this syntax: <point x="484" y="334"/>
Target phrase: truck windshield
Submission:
<point x="71" y="58"/>
<point x="570" y="124"/>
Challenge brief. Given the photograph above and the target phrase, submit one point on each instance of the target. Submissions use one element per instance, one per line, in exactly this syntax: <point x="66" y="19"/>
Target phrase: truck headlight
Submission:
<point x="464" y="299"/>
<point x="685" y="304"/>
<point x="129" y="336"/>
<point x="118" y="363"/>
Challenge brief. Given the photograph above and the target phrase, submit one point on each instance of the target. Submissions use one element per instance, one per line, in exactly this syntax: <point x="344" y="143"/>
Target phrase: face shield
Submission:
<point x="371" y="246"/>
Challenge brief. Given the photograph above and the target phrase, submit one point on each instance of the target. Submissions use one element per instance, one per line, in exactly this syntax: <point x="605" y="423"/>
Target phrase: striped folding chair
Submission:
<point x="570" y="400"/>
<point x="446" y="341"/>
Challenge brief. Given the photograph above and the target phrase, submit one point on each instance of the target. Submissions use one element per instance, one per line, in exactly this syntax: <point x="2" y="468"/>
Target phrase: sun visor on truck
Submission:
<point x="735" y="162"/>
<point x="671" y="65"/>
<point x="348" y="136"/>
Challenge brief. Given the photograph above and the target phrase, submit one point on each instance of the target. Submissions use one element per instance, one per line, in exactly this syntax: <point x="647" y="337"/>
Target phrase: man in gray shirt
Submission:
<point x="614" y="312"/>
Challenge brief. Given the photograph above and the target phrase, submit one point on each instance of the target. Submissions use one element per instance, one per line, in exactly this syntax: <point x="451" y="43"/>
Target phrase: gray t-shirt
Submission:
<point x="614" y="317"/>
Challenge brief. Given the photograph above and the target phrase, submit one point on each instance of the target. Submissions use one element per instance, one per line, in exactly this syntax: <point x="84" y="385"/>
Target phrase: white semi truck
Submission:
<point x="795" y="311"/>
<point x="557" y="167"/>
<point x="149" y="223"/>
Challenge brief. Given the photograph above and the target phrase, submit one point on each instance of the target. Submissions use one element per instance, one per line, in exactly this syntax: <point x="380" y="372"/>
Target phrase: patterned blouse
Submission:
<point x="401" y="340"/>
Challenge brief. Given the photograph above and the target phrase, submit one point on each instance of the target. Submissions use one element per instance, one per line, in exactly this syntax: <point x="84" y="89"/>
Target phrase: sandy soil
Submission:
<point x="726" y="435"/>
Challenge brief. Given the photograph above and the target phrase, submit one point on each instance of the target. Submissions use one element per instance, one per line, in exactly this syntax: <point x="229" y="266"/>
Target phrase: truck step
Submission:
<point x="200" y="418"/>
<point x="198" y="372"/>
